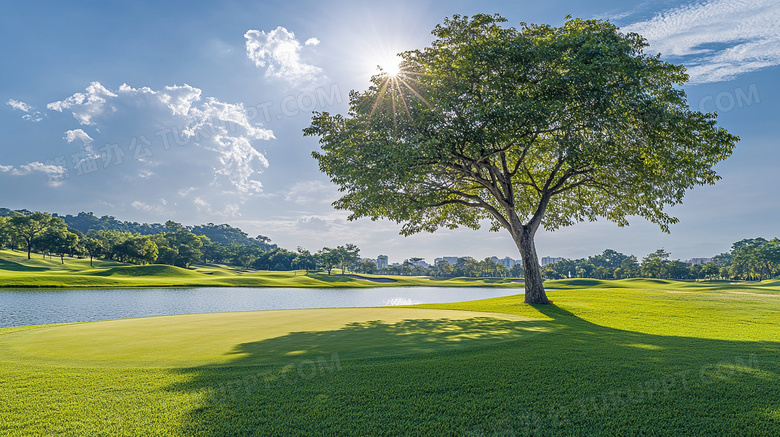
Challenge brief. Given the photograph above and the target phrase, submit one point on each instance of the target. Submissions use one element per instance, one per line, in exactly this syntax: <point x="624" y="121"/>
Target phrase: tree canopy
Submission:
<point x="536" y="126"/>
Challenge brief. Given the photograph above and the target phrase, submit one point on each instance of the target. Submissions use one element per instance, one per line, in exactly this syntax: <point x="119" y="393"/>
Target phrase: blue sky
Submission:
<point x="193" y="111"/>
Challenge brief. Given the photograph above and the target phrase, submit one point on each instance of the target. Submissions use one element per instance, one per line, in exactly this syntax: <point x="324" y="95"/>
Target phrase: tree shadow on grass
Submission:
<point x="486" y="376"/>
<point x="18" y="267"/>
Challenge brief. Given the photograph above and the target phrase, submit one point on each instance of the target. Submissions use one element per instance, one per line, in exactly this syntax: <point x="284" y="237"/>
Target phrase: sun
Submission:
<point x="390" y="65"/>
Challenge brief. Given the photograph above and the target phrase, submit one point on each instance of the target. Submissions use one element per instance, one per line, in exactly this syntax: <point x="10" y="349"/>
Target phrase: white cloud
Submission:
<point x="34" y="117"/>
<point x="227" y="210"/>
<point x="78" y="134"/>
<point x="55" y="172"/>
<point x="312" y="42"/>
<point x="717" y="39"/>
<point x="24" y="107"/>
<point x="145" y="207"/>
<point x="313" y="224"/>
<point x="280" y="52"/>
<point x="180" y="98"/>
<point x="312" y="192"/>
<point x="21" y="106"/>
<point x="87" y="151"/>
<point x="86" y="106"/>
<point x="223" y="129"/>
<point x="141" y="205"/>
<point x="201" y="203"/>
<point x="38" y="167"/>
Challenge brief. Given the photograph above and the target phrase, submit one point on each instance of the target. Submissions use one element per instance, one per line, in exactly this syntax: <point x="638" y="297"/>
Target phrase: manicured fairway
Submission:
<point x="634" y="357"/>
<point x="252" y="337"/>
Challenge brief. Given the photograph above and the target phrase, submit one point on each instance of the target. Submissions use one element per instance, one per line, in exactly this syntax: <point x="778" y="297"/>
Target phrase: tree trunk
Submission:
<point x="534" y="287"/>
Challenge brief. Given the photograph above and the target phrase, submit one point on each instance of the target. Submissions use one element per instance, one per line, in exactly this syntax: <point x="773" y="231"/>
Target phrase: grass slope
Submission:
<point x="16" y="271"/>
<point x="644" y="358"/>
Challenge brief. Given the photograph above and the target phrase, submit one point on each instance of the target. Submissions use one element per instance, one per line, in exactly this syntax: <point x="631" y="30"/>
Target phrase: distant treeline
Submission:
<point x="749" y="259"/>
<point x="86" y="235"/>
<point x="87" y="221"/>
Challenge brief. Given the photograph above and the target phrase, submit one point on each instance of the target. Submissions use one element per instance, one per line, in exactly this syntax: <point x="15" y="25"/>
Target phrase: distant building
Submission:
<point x="450" y="259"/>
<point x="362" y="260"/>
<point x="420" y="263"/>
<point x="381" y="261"/>
<point x="550" y="260"/>
<point x="694" y="261"/>
<point x="507" y="262"/>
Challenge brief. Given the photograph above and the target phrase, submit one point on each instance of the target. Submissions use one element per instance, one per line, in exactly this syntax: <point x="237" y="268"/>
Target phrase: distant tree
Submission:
<point x="629" y="267"/>
<point x="654" y="265"/>
<point x="549" y="272"/>
<point x="444" y="269"/>
<point x="756" y="258"/>
<point x="602" y="272"/>
<point x="541" y="126"/>
<point x="722" y="260"/>
<point x="677" y="269"/>
<point x="57" y="240"/>
<point x="349" y="255"/>
<point x="329" y="258"/>
<point x="305" y="259"/>
<point x="367" y="267"/>
<point x="211" y="251"/>
<point x="26" y="227"/>
<point x="263" y="239"/>
<point x="276" y="259"/>
<point x="137" y="249"/>
<point x="517" y="271"/>
<point x="710" y="270"/>
<point x="6" y="236"/>
<point x="172" y="226"/>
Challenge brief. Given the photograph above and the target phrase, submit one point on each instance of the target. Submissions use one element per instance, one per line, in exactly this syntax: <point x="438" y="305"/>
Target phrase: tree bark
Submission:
<point x="534" y="286"/>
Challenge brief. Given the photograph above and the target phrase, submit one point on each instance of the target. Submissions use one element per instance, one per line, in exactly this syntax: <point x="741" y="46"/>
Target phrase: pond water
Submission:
<point x="21" y="308"/>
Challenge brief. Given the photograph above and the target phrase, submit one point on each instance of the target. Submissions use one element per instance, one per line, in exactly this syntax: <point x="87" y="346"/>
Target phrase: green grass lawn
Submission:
<point x="16" y="271"/>
<point x="632" y="357"/>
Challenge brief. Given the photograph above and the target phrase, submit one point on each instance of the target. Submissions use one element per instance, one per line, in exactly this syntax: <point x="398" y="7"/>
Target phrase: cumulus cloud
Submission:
<point x="717" y="39"/>
<point x="225" y="130"/>
<point x="55" y="172"/>
<point x="85" y="107"/>
<point x="21" y="106"/>
<point x="78" y="134"/>
<point x="312" y="42"/>
<point x="280" y="53"/>
<point x="24" y="107"/>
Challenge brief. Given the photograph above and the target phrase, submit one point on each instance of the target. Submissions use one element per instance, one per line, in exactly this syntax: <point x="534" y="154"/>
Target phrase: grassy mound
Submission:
<point x="148" y="270"/>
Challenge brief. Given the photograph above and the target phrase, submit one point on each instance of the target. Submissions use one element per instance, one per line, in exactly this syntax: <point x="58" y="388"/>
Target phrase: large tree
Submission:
<point x="529" y="127"/>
